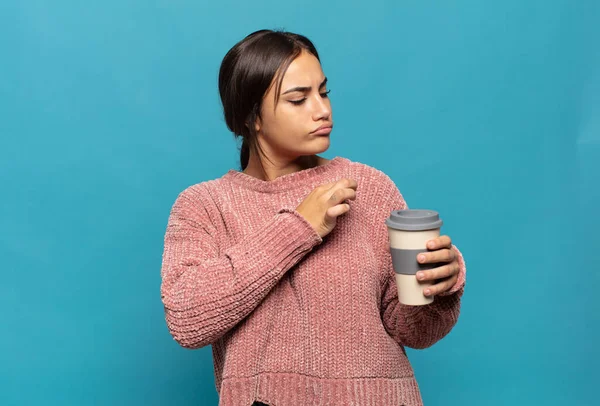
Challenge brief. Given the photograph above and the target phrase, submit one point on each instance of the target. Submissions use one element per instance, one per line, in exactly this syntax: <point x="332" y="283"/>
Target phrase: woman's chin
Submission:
<point x="313" y="147"/>
<point x="321" y="144"/>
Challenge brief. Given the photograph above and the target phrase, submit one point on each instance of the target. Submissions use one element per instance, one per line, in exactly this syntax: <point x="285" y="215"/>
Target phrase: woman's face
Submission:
<point x="300" y="123"/>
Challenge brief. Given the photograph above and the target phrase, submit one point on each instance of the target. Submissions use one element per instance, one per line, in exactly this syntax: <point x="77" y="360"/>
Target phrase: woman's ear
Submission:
<point x="253" y="116"/>
<point x="257" y="125"/>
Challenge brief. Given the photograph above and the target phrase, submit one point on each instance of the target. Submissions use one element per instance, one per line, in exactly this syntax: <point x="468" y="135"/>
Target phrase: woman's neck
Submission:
<point x="274" y="168"/>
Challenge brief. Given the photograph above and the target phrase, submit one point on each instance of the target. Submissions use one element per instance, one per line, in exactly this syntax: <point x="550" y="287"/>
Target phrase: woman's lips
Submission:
<point x="322" y="131"/>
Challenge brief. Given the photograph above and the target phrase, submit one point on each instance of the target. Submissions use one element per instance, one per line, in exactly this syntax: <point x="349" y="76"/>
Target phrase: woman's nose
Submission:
<point x="322" y="109"/>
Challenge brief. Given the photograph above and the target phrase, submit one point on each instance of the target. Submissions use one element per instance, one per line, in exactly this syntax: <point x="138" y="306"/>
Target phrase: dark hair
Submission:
<point x="246" y="74"/>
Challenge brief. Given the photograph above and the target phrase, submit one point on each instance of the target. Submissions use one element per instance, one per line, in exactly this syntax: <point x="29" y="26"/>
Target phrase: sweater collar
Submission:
<point x="285" y="182"/>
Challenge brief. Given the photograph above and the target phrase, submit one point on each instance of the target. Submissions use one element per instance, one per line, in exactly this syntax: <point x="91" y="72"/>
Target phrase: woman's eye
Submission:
<point x="300" y="101"/>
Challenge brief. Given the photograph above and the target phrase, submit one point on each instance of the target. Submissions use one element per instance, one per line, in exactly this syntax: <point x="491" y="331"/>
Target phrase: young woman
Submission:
<point x="284" y="267"/>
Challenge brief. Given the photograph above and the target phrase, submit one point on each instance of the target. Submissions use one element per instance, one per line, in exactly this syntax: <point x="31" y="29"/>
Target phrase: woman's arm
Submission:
<point x="206" y="292"/>
<point x="412" y="326"/>
<point x="421" y="326"/>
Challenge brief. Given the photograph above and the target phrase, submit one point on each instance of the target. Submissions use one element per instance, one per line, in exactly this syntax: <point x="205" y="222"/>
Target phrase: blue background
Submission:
<point x="486" y="111"/>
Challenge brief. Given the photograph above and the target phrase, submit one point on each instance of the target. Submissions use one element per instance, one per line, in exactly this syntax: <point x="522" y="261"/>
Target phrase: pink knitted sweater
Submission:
<point x="294" y="319"/>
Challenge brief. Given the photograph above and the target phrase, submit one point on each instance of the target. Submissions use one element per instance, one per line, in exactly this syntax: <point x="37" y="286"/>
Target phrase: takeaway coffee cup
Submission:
<point x="408" y="231"/>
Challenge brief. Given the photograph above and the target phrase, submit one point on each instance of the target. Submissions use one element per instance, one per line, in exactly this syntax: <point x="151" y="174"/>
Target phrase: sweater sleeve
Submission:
<point x="206" y="290"/>
<point x="415" y="326"/>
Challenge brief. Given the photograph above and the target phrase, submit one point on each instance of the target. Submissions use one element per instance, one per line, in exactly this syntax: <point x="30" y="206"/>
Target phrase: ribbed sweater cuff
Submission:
<point x="280" y="245"/>
<point x="288" y="239"/>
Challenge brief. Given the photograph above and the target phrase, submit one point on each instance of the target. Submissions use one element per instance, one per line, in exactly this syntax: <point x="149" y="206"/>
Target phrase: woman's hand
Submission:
<point x="326" y="203"/>
<point x="445" y="275"/>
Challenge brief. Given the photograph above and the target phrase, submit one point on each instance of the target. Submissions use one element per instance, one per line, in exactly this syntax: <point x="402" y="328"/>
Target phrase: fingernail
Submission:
<point x="420" y="275"/>
<point x="427" y="292"/>
<point x="430" y="244"/>
<point x="421" y="258"/>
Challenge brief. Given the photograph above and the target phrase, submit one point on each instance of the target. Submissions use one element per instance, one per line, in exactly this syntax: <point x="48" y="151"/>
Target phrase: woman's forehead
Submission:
<point x="305" y="68"/>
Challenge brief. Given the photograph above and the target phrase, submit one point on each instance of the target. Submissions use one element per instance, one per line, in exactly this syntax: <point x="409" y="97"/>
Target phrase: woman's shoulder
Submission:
<point x="199" y="193"/>
<point x="370" y="173"/>
<point x="377" y="187"/>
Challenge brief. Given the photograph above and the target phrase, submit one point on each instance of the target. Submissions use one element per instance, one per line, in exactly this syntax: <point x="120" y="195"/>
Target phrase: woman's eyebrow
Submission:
<point x="303" y="88"/>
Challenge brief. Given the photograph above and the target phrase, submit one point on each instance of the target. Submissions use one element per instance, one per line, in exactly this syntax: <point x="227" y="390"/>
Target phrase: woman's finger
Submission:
<point x="443" y="255"/>
<point x="440" y="242"/>
<point x="440" y="287"/>
<point x="440" y="272"/>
